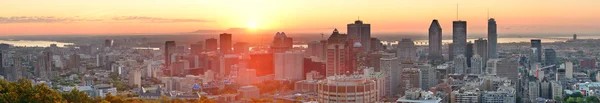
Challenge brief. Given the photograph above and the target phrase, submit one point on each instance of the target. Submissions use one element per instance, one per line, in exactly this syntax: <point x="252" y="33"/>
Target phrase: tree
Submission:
<point x="76" y="96"/>
<point x="571" y="100"/>
<point x="165" y="99"/>
<point x="592" y="99"/>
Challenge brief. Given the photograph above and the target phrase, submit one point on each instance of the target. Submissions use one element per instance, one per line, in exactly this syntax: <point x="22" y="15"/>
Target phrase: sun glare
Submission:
<point x="252" y="25"/>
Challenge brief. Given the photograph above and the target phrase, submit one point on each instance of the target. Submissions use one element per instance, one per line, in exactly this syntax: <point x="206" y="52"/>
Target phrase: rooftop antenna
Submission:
<point x="457" y="12"/>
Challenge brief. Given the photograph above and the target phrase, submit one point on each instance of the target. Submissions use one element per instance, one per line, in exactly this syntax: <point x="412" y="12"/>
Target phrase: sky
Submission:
<point x="97" y="17"/>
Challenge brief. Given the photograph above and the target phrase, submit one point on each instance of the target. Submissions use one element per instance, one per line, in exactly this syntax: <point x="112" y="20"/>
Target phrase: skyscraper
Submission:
<point x="406" y="50"/>
<point x="481" y="48"/>
<point x="44" y="65"/>
<point x="197" y="48"/>
<point x="376" y="44"/>
<point x="459" y="37"/>
<point x="492" y="39"/>
<point x="477" y="64"/>
<point x="169" y="49"/>
<point x="108" y="43"/>
<point x="362" y="32"/>
<point x="435" y="40"/>
<point x="17" y="70"/>
<point x="240" y="47"/>
<point x="469" y="53"/>
<point x="537" y="43"/>
<point x="281" y="43"/>
<point x="550" y="57"/>
<point x="289" y="65"/>
<point x="225" y="43"/>
<point x="336" y="54"/>
<point x="211" y="44"/>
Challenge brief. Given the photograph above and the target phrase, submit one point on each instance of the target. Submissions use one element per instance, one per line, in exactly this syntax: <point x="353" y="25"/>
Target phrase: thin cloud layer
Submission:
<point x="155" y="19"/>
<point x="41" y="19"/>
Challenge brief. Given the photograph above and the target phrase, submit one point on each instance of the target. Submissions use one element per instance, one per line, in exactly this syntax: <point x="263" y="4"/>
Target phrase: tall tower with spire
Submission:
<point x="435" y="40"/>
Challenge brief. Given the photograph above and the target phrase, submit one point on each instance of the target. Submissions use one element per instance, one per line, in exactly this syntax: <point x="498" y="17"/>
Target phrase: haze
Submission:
<point x="75" y="17"/>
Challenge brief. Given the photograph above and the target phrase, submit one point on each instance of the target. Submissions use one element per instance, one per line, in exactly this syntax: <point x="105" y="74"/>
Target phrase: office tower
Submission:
<point x="289" y="65"/>
<point x="315" y="48"/>
<point x="313" y="64"/>
<point x="169" y="50"/>
<point x="550" y="57"/>
<point x="211" y="44"/>
<point x="373" y="60"/>
<point x="460" y="64"/>
<point x="227" y="61"/>
<point x="108" y="43"/>
<point x="225" y="43"/>
<point x="356" y="57"/>
<point x="247" y="77"/>
<point x="409" y="78"/>
<point x="263" y="64"/>
<point x="362" y="32"/>
<point x="18" y="69"/>
<point x="459" y="38"/>
<point x="556" y="90"/>
<point x="135" y="77"/>
<point x="507" y="68"/>
<point x="534" y="90"/>
<point x="435" y="40"/>
<point x="450" y="51"/>
<point x="545" y="89"/>
<point x="240" y="47"/>
<point x="481" y="48"/>
<point x="537" y="44"/>
<point x="44" y="65"/>
<point x="428" y="76"/>
<point x="469" y="54"/>
<point x="336" y="54"/>
<point x="74" y="61"/>
<point x="492" y="39"/>
<point x="281" y="42"/>
<point x="477" y="64"/>
<point x="574" y="36"/>
<point x="569" y="70"/>
<point x="376" y="44"/>
<point x="406" y="50"/>
<point x="197" y="48"/>
<point x="389" y="64"/>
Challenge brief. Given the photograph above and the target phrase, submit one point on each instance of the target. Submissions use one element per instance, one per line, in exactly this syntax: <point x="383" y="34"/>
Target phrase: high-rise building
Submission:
<point x="409" y="78"/>
<point x="211" y="44"/>
<point x="546" y="89"/>
<point x="336" y="54"/>
<point x="537" y="44"/>
<point x="435" y="40"/>
<point x="362" y="32"/>
<point x="556" y="90"/>
<point x="507" y="68"/>
<point x="74" y="61"/>
<point x="3" y="71"/>
<point x="587" y="63"/>
<point x="461" y="96"/>
<point x="169" y="50"/>
<point x="289" y="65"/>
<point x="481" y="48"/>
<point x="469" y="54"/>
<point x="44" y="65"/>
<point x="406" y="50"/>
<point x="459" y="64"/>
<point x="281" y="42"/>
<point x="450" y="51"/>
<point x="550" y="57"/>
<point x="108" y="43"/>
<point x="459" y="38"/>
<point x="574" y="36"/>
<point x="389" y="64"/>
<point x="240" y="47"/>
<point x="17" y="68"/>
<point x="376" y="44"/>
<point x="428" y="76"/>
<point x="569" y="70"/>
<point x="534" y="91"/>
<point x="263" y="64"/>
<point x="313" y="64"/>
<point x="492" y="39"/>
<point x="225" y="43"/>
<point x="477" y="65"/>
<point x="197" y="48"/>
<point x="315" y="48"/>
<point x="226" y="63"/>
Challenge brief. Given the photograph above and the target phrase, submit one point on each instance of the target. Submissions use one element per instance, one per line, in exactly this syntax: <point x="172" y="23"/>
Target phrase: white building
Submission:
<point x="289" y="65"/>
<point x="428" y="76"/>
<point x="477" y="64"/>
<point x="387" y="65"/>
<point x="569" y="70"/>
<point x="135" y="77"/>
<point x="556" y="89"/>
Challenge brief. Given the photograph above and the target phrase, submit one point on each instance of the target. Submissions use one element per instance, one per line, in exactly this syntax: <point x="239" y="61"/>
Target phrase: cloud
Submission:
<point x="42" y="19"/>
<point x="155" y="19"/>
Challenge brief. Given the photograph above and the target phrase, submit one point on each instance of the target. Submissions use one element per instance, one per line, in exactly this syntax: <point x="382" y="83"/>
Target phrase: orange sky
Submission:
<point x="24" y="17"/>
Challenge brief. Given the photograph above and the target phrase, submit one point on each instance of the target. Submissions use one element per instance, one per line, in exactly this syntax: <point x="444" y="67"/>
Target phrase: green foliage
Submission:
<point x="592" y="99"/>
<point x="24" y="91"/>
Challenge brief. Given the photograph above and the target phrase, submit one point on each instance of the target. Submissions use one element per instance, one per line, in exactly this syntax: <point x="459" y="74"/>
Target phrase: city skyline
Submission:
<point x="295" y="17"/>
